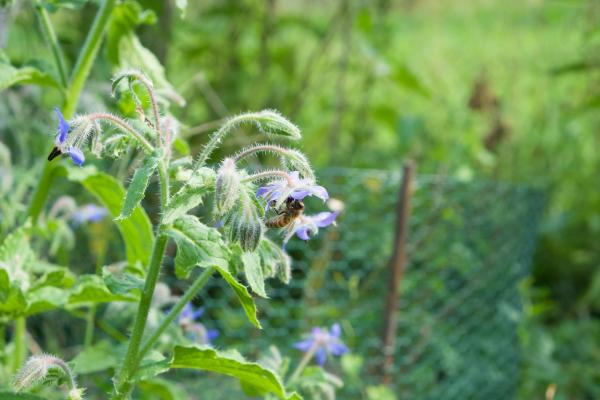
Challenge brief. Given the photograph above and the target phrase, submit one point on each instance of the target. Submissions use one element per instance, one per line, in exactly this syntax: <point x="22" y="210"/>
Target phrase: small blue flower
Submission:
<point x="307" y="226"/>
<point x="189" y="315"/>
<point x="62" y="144"/>
<point x="323" y="342"/>
<point x="89" y="213"/>
<point x="295" y="187"/>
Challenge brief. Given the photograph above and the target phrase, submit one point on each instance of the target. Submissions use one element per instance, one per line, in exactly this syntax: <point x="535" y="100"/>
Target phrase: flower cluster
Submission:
<point x="304" y="227"/>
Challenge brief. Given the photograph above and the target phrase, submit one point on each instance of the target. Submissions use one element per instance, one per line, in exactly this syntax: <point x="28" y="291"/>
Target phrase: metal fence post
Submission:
<point x="396" y="270"/>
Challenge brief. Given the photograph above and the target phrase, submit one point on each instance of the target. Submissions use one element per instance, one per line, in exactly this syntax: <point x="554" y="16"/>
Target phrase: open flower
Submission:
<point x="307" y="226"/>
<point x="294" y="187"/>
<point x="323" y="342"/>
<point x="62" y="144"/>
<point x="195" y="330"/>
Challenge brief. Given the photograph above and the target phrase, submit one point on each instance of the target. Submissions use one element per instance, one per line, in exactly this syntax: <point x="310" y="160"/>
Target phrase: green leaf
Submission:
<point x="407" y="79"/>
<point x="197" y="245"/>
<point x="120" y="282"/>
<point x="250" y="373"/>
<point x="99" y="357"/>
<point x="138" y="185"/>
<point x="254" y="273"/>
<point x="92" y="289"/>
<point x="243" y="295"/>
<point x="45" y="299"/>
<point x="157" y="388"/>
<point x="136" y="230"/>
<point x="190" y="195"/>
<point x="10" y="76"/>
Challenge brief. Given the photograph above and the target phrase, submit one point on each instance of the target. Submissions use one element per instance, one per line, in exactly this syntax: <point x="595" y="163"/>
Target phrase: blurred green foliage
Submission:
<point x="508" y="90"/>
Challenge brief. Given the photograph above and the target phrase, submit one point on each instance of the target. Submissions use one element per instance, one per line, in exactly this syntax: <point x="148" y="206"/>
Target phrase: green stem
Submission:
<point x="186" y="298"/>
<point x="123" y="380"/>
<point x="48" y="32"/>
<point x="304" y="362"/>
<point x="123" y="384"/>
<point x="20" y="344"/>
<point x="41" y="191"/>
<point x="87" y="56"/>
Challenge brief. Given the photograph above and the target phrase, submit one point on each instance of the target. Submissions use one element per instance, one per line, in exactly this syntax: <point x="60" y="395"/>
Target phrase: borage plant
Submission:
<point x="230" y="242"/>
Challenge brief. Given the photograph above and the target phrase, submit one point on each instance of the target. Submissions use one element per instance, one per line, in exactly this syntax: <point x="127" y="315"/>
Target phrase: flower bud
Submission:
<point x="272" y="123"/>
<point x="39" y="369"/>
<point x="75" y="394"/>
<point x="245" y="226"/>
<point x="227" y="187"/>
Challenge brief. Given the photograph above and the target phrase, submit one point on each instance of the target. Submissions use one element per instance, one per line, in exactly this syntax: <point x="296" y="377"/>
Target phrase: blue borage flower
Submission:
<point x="323" y="342"/>
<point x="307" y="226"/>
<point x="89" y="213"/>
<point x="62" y="145"/>
<point x="197" y="331"/>
<point x="294" y="187"/>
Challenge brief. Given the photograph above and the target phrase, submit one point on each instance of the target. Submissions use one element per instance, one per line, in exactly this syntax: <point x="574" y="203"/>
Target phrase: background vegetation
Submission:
<point x="505" y="90"/>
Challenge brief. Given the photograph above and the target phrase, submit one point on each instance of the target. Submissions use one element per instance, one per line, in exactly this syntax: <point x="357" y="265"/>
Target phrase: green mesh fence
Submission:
<point x="469" y="245"/>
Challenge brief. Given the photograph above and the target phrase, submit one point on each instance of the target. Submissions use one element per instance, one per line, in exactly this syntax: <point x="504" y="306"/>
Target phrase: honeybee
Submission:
<point x="290" y="211"/>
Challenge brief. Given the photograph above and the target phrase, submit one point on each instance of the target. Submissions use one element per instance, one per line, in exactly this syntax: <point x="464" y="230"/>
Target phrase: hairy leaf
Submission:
<point x="190" y="195"/>
<point x="10" y="76"/>
<point x="243" y="295"/>
<point x="254" y="273"/>
<point x="119" y="282"/>
<point x="197" y="245"/>
<point x="138" y="185"/>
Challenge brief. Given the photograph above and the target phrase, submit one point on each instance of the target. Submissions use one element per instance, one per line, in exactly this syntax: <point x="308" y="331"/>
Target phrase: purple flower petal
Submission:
<point x="63" y="127"/>
<point x="324" y="219"/>
<point x="300" y="194"/>
<point x="212" y="334"/>
<point x="197" y="313"/>
<point x="335" y="330"/>
<point x="76" y="155"/>
<point x="261" y="191"/>
<point x="321" y="356"/>
<point x="337" y="348"/>
<point x="320" y="192"/>
<point x="187" y="312"/>
<point x="304" y="345"/>
<point x="303" y="232"/>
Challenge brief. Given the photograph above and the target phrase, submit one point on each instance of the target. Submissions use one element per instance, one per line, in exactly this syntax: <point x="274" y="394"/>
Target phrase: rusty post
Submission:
<point x="396" y="271"/>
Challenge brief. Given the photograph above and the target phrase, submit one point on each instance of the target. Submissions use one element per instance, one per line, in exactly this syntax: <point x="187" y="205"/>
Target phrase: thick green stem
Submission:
<point x="87" y="56"/>
<point x="123" y="380"/>
<point x="186" y="298"/>
<point x="41" y="191"/>
<point x="20" y="344"/>
<point x="48" y="32"/>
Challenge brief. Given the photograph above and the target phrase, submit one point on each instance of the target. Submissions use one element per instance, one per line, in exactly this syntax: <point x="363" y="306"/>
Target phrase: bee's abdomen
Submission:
<point x="279" y="221"/>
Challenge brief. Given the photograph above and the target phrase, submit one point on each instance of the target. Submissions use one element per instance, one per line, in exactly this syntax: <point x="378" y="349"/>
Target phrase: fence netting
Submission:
<point x="469" y="245"/>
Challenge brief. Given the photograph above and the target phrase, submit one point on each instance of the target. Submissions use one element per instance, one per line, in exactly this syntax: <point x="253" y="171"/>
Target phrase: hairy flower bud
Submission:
<point x="227" y="188"/>
<point x="39" y="369"/>
<point x="246" y="228"/>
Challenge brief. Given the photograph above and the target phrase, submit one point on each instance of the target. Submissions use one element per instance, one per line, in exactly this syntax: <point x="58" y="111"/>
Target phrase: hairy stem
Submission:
<point x="269" y="174"/>
<point x="262" y="148"/>
<point x="121" y="123"/>
<point x="87" y="56"/>
<point x="123" y="380"/>
<point x="20" y="343"/>
<point x="218" y="136"/>
<point x="192" y="291"/>
<point x="123" y="384"/>
<point x="50" y="35"/>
